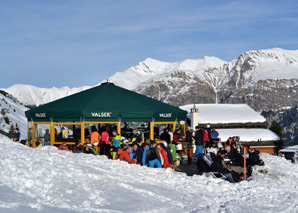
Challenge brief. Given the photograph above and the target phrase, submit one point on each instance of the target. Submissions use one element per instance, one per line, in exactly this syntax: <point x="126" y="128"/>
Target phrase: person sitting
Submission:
<point x="47" y="143"/>
<point x="254" y="158"/>
<point x="135" y="154"/>
<point x="229" y="142"/>
<point x="116" y="143"/>
<point x="122" y="148"/>
<point x="64" y="147"/>
<point x="178" y="137"/>
<point x="214" y="136"/>
<point x="165" y="135"/>
<point x="217" y="166"/>
<point x="125" y="155"/>
<point x="235" y="157"/>
<point x="151" y="155"/>
<point x="164" y="156"/>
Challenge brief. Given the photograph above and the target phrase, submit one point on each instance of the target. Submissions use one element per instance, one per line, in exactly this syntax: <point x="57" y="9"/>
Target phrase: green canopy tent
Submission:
<point x="104" y="103"/>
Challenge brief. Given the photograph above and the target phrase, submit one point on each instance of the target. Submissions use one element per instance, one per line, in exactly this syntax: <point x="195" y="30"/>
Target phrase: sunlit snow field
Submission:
<point x="33" y="180"/>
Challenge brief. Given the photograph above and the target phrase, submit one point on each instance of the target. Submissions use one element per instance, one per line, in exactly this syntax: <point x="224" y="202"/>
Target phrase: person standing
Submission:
<point x="16" y="135"/>
<point x="199" y="140"/>
<point x="105" y="144"/>
<point x="214" y="136"/>
<point x="206" y="138"/>
<point x="166" y="136"/>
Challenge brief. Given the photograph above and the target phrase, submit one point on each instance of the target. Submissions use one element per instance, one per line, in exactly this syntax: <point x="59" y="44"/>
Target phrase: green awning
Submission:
<point x="106" y="102"/>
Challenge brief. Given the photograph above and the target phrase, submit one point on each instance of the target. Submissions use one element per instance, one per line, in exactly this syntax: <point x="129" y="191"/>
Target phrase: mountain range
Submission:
<point x="266" y="80"/>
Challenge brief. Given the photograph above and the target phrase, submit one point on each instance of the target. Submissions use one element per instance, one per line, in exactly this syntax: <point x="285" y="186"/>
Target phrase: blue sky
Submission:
<point x="73" y="43"/>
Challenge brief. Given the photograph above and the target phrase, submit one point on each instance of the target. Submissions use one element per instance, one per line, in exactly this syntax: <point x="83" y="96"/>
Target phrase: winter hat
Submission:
<point x="125" y="141"/>
<point x="165" y="144"/>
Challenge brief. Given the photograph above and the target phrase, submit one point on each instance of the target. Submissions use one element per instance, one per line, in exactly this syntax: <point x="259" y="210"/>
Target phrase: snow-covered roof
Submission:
<point x="248" y="135"/>
<point x="225" y="113"/>
<point x="290" y="149"/>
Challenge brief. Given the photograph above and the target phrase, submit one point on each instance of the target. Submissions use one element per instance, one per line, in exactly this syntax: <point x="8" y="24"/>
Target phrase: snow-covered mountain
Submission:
<point x="263" y="79"/>
<point x="35" y="96"/>
<point x="151" y="68"/>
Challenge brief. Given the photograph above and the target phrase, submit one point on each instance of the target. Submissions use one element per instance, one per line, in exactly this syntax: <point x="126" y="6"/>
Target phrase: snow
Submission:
<point x="31" y="95"/>
<point x="225" y="113"/>
<point x="290" y="149"/>
<point x="151" y="68"/>
<point x="248" y="135"/>
<point x="34" y="180"/>
<point x="16" y="115"/>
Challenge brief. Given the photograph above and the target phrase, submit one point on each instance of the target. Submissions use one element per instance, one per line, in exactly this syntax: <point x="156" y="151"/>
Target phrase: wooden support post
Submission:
<point x="152" y="130"/>
<point x="119" y="127"/>
<point x="82" y="133"/>
<point x="28" y="134"/>
<point x="33" y="135"/>
<point x="52" y="133"/>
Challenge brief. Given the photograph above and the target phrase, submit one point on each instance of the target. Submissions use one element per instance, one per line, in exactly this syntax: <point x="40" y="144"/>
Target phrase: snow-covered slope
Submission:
<point x="31" y="95"/>
<point x="34" y="180"/>
<point x="15" y="112"/>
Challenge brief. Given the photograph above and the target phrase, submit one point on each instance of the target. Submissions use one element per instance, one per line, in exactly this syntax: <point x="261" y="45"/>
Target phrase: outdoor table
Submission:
<point x="188" y="151"/>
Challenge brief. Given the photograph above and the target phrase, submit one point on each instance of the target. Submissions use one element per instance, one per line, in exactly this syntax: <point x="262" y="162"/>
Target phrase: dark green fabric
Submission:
<point x="106" y="102"/>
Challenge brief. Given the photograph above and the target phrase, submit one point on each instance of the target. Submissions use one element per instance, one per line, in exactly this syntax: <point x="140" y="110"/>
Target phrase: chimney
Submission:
<point x="194" y="112"/>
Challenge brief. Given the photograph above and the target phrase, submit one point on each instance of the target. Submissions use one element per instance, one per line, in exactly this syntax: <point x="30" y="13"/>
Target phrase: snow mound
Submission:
<point x="33" y="180"/>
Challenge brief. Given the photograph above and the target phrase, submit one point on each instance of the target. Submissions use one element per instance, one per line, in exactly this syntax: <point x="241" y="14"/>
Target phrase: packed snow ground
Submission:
<point x="33" y="180"/>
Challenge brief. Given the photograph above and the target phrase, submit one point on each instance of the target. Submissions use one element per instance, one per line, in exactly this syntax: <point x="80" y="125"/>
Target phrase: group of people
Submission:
<point x="229" y="161"/>
<point x="205" y="137"/>
<point x="226" y="159"/>
<point x="150" y="153"/>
